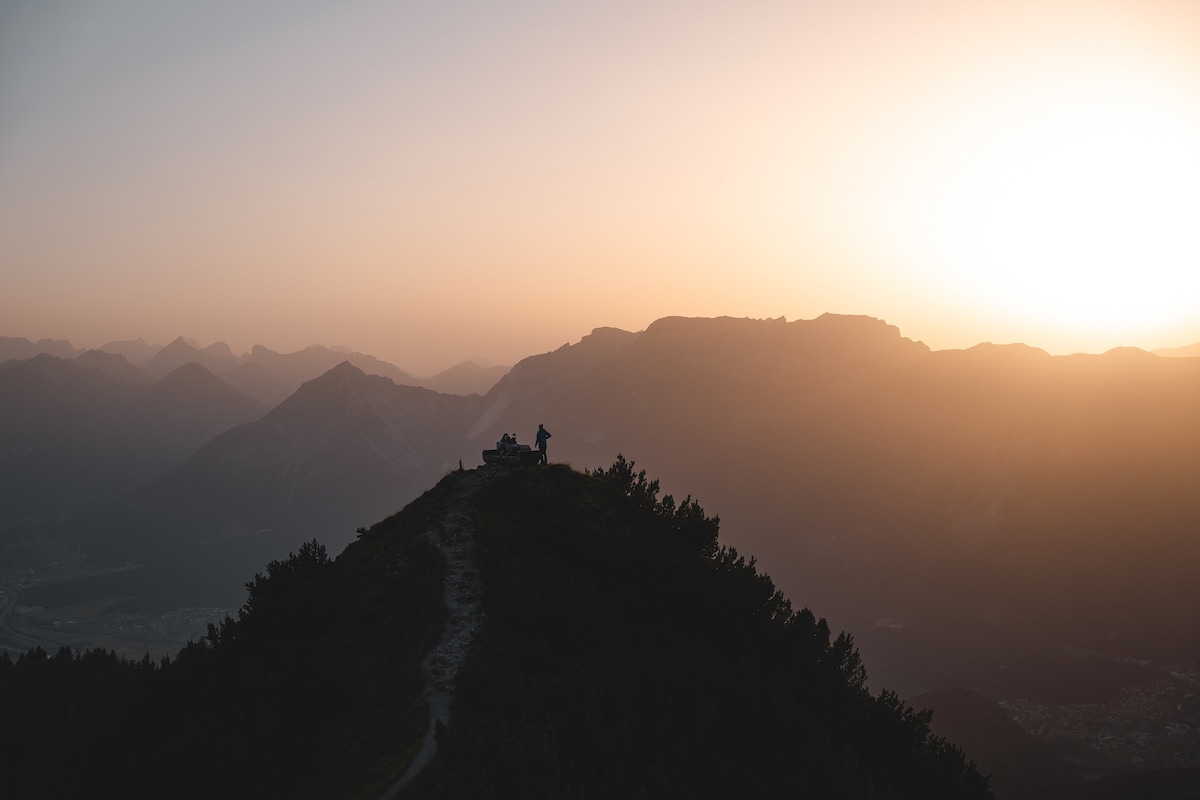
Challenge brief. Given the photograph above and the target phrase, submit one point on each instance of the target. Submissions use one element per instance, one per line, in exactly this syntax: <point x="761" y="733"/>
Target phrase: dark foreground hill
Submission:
<point x="607" y="646"/>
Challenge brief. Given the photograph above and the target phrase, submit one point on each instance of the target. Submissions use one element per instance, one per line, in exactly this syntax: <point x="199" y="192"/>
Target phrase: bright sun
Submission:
<point x="1076" y="204"/>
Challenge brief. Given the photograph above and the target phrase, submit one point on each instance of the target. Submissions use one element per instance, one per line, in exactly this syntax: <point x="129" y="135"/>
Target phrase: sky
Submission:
<point x="432" y="182"/>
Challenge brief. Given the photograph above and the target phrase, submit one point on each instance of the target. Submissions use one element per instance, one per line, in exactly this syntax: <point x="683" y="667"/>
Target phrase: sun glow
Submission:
<point x="1074" y="204"/>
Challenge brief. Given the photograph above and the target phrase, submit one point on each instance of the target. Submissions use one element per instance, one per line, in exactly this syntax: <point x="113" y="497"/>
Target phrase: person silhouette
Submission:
<point x="542" y="436"/>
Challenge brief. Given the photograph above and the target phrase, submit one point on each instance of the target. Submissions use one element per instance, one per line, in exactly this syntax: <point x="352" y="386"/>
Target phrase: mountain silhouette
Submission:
<point x="61" y="429"/>
<point x="296" y="368"/>
<point x="258" y="382"/>
<point x="973" y="516"/>
<point x="180" y="352"/>
<point x="115" y="365"/>
<point x="465" y="378"/>
<point x="136" y="351"/>
<point x="336" y="453"/>
<point x="997" y="494"/>
<point x="1190" y="351"/>
<point x="77" y="432"/>
<point x="189" y="407"/>
<point x="511" y="633"/>
<point x="992" y="500"/>
<point x="219" y="350"/>
<point x="18" y="349"/>
<point x="263" y="374"/>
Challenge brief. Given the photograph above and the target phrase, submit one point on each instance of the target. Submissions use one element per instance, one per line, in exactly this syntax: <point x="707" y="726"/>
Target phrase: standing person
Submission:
<point x="542" y="436"/>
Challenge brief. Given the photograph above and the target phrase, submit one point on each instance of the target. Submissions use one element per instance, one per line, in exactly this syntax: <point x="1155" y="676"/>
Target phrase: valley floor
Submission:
<point x="1154" y="724"/>
<point x="39" y="561"/>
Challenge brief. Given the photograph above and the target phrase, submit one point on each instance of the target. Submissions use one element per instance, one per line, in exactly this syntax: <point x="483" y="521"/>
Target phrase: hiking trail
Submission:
<point x="453" y="534"/>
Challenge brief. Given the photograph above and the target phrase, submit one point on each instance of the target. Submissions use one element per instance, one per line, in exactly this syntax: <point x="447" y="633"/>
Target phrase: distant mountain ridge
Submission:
<point x="1190" y="351"/>
<point x="261" y="373"/>
<point x="77" y="431"/>
<point x="18" y="348"/>
<point x="345" y="440"/>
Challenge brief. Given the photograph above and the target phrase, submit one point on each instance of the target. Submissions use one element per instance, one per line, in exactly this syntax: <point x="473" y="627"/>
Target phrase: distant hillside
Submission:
<point x="76" y="432"/>
<point x="136" y="351"/>
<point x="346" y="448"/>
<point x="262" y="373"/>
<point x="611" y="648"/>
<point x="1032" y="500"/>
<point x="180" y="352"/>
<point x="1190" y="351"/>
<point x="345" y="442"/>
<point x="15" y="348"/>
<point x="304" y="365"/>
<point x="465" y="378"/>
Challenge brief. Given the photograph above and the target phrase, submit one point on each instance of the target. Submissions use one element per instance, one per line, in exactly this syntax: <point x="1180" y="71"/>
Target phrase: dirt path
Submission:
<point x="452" y="534"/>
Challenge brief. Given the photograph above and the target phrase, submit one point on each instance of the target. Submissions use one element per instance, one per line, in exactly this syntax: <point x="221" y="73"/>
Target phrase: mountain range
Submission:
<point x="994" y="517"/>
<point x="261" y="373"/>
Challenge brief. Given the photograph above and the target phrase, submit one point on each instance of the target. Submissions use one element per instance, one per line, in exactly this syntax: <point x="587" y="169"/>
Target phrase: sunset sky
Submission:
<point x="430" y="182"/>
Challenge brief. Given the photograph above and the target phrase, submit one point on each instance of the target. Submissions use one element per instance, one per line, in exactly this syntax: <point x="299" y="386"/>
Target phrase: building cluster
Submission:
<point x="1151" y="725"/>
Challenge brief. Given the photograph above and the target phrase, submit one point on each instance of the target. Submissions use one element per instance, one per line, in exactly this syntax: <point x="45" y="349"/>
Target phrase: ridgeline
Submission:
<point x="563" y="634"/>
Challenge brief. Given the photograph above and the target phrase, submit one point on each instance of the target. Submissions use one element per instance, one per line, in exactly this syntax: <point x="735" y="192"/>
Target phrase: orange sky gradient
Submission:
<point x="430" y="182"/>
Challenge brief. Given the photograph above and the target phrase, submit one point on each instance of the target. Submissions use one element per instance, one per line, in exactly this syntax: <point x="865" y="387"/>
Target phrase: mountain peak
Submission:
<point x="219" y="350"/>
<point x="340" y="381"/>
<point x="1130" y="354"/>
<point x="14" y="348"/>
<point x="466" y="378"/>
<point x="113" y="364"/>
<point x="181" y="351"/>
<point x="859" y="329"/>
<point x="135" y="351"/>
<point x="608" y="336"/>
<point x="177" y="353"/>
<point x="346" y="371"/>
<point x="191" y="374"/>
<point x="193" y="383"/>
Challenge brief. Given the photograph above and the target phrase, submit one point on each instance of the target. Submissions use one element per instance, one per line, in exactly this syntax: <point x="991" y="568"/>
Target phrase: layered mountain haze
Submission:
<point x="1191" y="351"/>
<point x="467" y="377"/>
<point x="268" y="376"/>
<point x="12" y="347"/>
<point x="85" y="434"/>
<point x="996" y="493"/>
<point x="835" y="449"/>
<point x="136" y="351"/>
<point x="180" y="352"/>
<point x="995" y="517"/>
<point x="296" y="368"/>
<point x="343" y="447"/>
<point x="76" y="432"/>
<point x="114" y="364"/>
<point x="194" y="405"/>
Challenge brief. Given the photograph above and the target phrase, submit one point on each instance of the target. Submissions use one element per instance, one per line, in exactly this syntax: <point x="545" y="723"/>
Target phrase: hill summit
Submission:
<point x="510" y="633"/>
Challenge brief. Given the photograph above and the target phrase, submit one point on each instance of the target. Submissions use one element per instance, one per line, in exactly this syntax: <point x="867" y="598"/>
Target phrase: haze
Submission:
<point x="430" y="182"/>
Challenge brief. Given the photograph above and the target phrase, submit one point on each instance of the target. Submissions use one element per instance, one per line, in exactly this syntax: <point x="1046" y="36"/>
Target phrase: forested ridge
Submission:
<point x="622" y="651"/>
